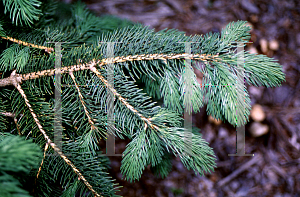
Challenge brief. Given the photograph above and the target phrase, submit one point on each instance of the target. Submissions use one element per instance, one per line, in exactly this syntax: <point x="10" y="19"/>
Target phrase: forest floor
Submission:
<point x="275" y="168"/>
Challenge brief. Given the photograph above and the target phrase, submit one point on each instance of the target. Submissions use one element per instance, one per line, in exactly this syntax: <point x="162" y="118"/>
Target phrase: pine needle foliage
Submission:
<point x="149" y="67"/>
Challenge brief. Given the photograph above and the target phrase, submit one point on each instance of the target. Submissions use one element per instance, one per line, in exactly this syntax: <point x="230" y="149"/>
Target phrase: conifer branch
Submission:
<point x="48" y="140"/>
<point x="143" y="51"/>
<point x="67" y="69"/>
<point x="123" y="100"/>
<point x="47" y="49"/>
<point x="82" y="102"/>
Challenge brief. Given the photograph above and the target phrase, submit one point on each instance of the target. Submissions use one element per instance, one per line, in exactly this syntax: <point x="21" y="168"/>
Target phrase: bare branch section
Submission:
<point x="8" y="114"/>
<point x="67" y="69"/>
<point x="47" y="49"/>
<point x="14" y="77"/>
<point x="48" y="140"/>
<point x="40" y="168"/>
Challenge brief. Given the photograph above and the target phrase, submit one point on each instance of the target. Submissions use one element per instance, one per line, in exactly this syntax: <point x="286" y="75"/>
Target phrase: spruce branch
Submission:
<point x="154" y="58"/>
<point x="22" y="10"/>
<point x="48" y="140"/>
<point x="83" y="103"/>
<point x="123" y="100"/>
<point x="18" y="157"/>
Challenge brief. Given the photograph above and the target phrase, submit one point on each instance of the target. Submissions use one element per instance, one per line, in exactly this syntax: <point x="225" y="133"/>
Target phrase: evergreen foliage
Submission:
<point x="149" y="67"/>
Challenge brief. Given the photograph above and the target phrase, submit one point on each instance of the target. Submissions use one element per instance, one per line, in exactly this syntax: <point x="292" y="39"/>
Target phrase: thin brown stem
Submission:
<point x="83" y="103"/>
<point x="40" y="168"/>
<point x="17" y="125"/>
<point x="47" y="49"/>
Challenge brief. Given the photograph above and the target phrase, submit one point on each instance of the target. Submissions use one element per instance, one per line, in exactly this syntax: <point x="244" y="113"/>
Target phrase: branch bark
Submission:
<point x="67" y="69"/>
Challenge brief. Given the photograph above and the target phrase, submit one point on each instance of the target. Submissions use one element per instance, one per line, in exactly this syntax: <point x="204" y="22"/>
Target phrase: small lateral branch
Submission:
<point x="47" y="49"/>
<point x="40" y="168"/>
<point x="91" y="122"/>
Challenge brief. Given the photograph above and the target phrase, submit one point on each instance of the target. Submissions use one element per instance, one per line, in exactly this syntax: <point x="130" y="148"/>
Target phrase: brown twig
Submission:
<point x="241" y="169"/>
<point x="47" y="49"/>
<point x="40" y="168"/>
<point x="8" y="114"/>
<point x="18" y="128"/>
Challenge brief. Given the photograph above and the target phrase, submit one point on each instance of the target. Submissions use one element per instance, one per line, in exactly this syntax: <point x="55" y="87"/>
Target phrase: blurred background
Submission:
<point x="273" y="133"/>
